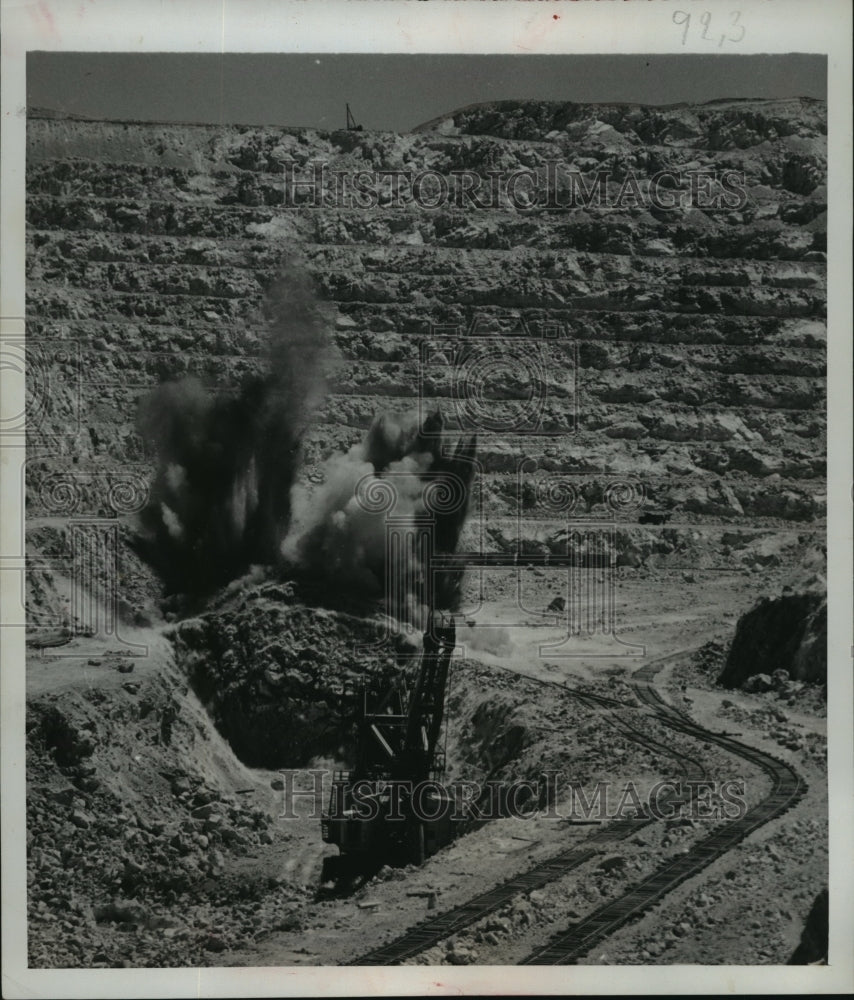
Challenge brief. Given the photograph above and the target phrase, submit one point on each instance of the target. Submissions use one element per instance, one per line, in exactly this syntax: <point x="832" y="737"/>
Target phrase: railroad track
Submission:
<point x="576" y="940"/>
<point x="787" y="787"/>
<point x="435" y="930"/>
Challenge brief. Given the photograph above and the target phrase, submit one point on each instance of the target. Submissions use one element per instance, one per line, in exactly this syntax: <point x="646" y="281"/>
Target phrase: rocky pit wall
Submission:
<point x="698" y="341"/>
<point x="697" y="337"/>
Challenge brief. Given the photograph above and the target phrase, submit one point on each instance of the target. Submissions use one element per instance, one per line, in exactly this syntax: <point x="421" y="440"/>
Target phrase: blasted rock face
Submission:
<point x="784" y="633"/>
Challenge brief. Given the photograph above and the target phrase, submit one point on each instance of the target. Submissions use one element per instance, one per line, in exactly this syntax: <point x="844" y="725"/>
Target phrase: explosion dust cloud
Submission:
<point x="402" y="470"/>
<point x="220" y="499"/>
<point x="226" y="494"/>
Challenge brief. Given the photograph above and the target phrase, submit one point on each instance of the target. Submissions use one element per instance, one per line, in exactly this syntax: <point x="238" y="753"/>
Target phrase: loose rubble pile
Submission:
<point x="732" y="913"/>
<point x="124" y="862"/>
<point x="280" y="679"/>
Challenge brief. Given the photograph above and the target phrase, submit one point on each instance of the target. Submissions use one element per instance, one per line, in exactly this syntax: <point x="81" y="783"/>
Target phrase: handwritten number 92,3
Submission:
<point x="734" y="31"/>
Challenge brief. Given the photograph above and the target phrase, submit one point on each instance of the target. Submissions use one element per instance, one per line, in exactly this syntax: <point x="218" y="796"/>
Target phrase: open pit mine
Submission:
<point x="432" y="575"/>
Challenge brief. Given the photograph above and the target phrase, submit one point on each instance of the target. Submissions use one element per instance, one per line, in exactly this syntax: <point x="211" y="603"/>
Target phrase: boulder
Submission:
<point x="758" y="682"/>
<point x="81" y="819"/>
<point x="461" y="955"/>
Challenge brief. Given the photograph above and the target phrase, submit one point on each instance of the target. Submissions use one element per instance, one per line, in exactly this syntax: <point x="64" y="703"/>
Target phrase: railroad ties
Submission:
<point x="431" y="932"/>
<point x="566" y="947"/>
<point x="572" y="943"/>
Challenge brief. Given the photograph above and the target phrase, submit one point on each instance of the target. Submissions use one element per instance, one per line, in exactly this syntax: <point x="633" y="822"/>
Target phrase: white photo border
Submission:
<point x="442" y="26"/>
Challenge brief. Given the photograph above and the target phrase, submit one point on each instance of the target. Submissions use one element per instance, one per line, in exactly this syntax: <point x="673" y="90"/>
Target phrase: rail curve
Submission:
<point x="787" y="787"/>
<point x="574" y="941"/>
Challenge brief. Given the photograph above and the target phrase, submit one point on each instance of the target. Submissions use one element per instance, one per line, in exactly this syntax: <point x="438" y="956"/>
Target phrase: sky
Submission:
<point x="390" y="92"/>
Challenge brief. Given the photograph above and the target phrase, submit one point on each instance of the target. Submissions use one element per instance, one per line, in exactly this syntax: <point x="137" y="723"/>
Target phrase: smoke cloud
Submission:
<point x="402" y="471"/>
<point x="226" y="462"/>
<point x="226" y="496"/>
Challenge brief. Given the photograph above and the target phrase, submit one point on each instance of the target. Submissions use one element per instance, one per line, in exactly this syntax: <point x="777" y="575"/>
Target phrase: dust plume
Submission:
<point x="403" y="471"/>
<point x="226" y="462"/>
